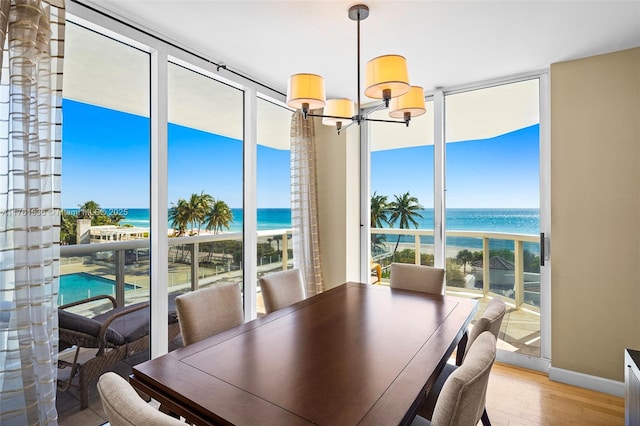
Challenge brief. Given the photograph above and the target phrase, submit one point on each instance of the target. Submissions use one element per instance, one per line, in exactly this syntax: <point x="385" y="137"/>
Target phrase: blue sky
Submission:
<point x="500" y="172"/>
<point x="106" y="159"/>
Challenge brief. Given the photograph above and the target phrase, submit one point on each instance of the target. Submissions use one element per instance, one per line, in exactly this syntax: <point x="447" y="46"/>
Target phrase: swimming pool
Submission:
<point x="78" y="286"/>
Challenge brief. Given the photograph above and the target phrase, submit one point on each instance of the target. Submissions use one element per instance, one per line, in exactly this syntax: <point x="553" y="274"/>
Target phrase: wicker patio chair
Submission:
<point x="90" y="346"/>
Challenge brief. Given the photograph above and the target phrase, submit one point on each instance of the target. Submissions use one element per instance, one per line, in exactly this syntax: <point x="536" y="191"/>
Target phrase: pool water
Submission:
<point x="78" y="286"/>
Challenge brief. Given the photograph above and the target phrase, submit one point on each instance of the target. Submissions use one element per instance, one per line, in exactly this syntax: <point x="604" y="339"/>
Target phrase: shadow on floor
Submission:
<point x="68" y="403"/>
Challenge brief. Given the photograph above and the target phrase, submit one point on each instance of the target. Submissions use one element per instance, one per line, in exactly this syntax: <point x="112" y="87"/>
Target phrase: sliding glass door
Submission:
<point x="493" y="204"/>
<point x="489" y="145"/>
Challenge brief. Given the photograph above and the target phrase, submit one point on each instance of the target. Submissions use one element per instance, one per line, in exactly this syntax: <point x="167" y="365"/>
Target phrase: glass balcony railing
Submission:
<point x="511" y="272"/>
<point x="121" y="269"/>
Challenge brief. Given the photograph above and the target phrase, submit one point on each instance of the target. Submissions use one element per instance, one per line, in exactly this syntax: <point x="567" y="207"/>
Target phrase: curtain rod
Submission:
<point x="218" y="66"/>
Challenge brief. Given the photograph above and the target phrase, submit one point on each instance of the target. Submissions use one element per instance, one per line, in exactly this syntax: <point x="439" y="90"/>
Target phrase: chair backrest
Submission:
<point x="462" y="398"/>
<point x="280" y="289"/>
<point x="491" y="320"/>
<point x="208" y="311"/>
<point x="426" y="279"/>
<point x="124" y="407"/>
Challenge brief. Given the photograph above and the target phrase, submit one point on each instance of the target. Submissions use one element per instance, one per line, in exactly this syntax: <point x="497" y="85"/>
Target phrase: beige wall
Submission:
<point x="595" y="216"/>
<point x="338" y="199"/>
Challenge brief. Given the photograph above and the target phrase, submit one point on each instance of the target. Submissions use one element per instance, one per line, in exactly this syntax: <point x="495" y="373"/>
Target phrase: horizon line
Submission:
<point x="267" y="208"/>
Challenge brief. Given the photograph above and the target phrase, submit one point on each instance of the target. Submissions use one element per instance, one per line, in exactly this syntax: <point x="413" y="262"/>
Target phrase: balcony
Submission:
<point x="511" y="273"/>
<point x="125" y="267"/>
<point x="121" y="269"/>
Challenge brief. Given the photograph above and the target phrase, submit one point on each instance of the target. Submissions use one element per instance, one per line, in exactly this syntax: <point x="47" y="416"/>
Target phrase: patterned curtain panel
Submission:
<point x="32" y="38"/>
<point x="304" y="203"/>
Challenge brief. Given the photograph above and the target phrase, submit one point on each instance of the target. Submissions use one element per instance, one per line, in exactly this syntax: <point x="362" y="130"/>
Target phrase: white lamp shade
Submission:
<point x="306" y="88"/>
<point x="340" y="108"/>
<point x="412" y="101"/>
<point x="386" y="72"/>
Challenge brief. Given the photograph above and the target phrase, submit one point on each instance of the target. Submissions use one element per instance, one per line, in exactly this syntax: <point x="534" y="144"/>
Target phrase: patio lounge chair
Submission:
<point x="90" y="346"/>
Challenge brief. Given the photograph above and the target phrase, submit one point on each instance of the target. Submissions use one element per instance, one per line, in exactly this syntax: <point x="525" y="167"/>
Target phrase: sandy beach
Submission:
<point x="451" y="251"/>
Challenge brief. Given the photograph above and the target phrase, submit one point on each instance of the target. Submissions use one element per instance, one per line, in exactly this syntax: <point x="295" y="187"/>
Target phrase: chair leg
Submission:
<point x="462" y="347"/>
<point x="83" y="389"/>
<point x="485" y="418"/>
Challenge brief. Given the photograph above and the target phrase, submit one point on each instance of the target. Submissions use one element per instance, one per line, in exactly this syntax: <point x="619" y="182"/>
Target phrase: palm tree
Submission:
<point x="380" y="210"/>
<point x="404" y="210"/>
<point x="179" y="216"/>
<point x="68" y="226"/>
<point x="88" y="210"/>
<point x="116" y="218"/>
<point x="464" y="256"/>
<point x="199" y="205"/>
<point x="218" y="216"/>
<point x="92" y="210"/>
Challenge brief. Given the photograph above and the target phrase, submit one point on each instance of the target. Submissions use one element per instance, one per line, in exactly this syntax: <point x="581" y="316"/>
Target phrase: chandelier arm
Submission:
<point x="348" y="125"/>
<point x="374" y="109"/>
<point x="386" y="121"/>
<point x="332" y="116"/>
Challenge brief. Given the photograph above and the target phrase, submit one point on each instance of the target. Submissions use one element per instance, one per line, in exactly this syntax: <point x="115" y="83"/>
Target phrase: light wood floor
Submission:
<point x="515" y="397"/>
<point x="522" y="397"/>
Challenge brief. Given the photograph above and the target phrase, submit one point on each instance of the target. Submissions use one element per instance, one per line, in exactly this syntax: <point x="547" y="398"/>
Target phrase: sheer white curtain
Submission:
<point x="304" y="203"/>
<point x="31" y="37"/>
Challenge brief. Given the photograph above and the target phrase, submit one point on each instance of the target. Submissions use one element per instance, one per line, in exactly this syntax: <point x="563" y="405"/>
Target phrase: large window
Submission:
<point x="105" y="170"/>
<point x="493" y="202"/>
<point x="402" y="197"/>
<point x="132" y="103"/>
<point x="490" y="159"/>
<point x="205" y="181"/>
<point x="274" y="249"/>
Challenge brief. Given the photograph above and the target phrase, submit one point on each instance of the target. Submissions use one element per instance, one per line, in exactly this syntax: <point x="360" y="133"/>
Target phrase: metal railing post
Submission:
<point x="417" y="248"/>
<point x="519" y="273"/>
<point x="195" y="257"/>
<point x="120" y="277"/>
<point x="285" y="251"/>
<point x="486" y="276"/>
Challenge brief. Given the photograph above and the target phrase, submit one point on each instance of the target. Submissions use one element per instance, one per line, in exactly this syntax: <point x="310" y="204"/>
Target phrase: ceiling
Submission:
<point x="446" y="43"/>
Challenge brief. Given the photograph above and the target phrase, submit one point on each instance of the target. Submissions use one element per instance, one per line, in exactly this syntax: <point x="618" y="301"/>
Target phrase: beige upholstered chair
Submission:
<point x="208" y="311"/>
<point x="462" y="399"/>
<point x="490" y="321"/>
<point x="427" y="279"/>
<point x="124" y="407"/>
<point x="281" y="289"/>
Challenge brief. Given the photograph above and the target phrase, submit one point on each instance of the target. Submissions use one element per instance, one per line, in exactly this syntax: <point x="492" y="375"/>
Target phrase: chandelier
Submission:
<point x="386" y="78"/>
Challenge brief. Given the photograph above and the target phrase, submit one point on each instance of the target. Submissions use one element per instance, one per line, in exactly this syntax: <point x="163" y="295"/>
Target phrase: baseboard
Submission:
<point x="598" y="384"/>
<point x="524" y="361"/>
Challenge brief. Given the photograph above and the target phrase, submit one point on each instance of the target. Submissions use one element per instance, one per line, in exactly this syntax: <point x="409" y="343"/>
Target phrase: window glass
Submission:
<point x="493" y="200"/>
<point x="205" y="181"/>
<point x="275" y="249"/>
<point x="105" y="170"/>
<point x="401" y="196"/>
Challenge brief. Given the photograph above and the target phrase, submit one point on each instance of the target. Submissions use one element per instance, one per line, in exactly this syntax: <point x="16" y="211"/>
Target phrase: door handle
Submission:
<point x="544" y="249"/>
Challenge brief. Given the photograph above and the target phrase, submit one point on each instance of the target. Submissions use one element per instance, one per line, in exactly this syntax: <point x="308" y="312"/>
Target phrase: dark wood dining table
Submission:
<point x="355" y="354"/>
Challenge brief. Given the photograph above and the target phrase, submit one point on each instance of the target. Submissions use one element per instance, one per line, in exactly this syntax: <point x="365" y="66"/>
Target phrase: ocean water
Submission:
<point x="518" y="221"/>
<point x="513" y="221"/>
